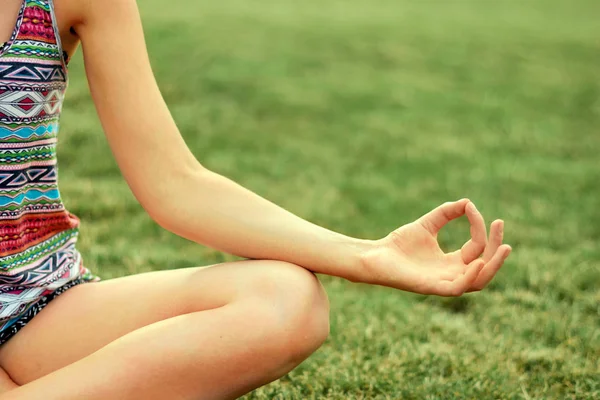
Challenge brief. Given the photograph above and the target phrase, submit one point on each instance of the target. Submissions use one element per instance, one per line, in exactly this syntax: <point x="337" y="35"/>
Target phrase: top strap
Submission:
<point x="64" y="57"/>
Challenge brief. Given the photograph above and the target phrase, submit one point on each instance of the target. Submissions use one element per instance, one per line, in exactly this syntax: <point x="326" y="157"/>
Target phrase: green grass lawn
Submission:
<point x="361" y="116"/>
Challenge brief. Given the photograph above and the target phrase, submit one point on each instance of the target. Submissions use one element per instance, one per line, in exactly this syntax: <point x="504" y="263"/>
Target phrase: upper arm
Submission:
<point x="142" y="135"/>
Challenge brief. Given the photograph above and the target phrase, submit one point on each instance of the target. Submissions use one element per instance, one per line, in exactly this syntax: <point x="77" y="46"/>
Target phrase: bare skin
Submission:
<point x="207" y="332"/>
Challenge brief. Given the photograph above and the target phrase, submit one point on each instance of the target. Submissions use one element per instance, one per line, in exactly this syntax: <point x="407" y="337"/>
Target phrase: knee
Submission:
<point x="294" y="306"/>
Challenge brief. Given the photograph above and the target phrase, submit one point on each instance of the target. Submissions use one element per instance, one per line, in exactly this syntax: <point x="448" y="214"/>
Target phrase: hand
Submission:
<point x="411" y="259"/>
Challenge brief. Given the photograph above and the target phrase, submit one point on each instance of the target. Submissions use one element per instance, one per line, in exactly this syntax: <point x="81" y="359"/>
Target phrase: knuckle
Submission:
<point x="426" y="224"/>
<point x="447" y="214"/>
<point x="478" y="287"/>
<point x="396" y="237"/>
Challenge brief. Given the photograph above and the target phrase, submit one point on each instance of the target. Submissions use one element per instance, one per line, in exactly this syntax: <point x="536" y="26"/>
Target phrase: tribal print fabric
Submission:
<point x="38" y="257"/>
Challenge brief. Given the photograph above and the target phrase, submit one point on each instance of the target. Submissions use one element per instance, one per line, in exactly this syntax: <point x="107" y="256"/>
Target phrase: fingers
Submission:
<point x="451" y="272"/>
<point x="491" y="268"/>
<point x="435" y="220"/>
<point x="461" y="284"/>
<point x="495" y="240"/>
<point x="476" y="245"/>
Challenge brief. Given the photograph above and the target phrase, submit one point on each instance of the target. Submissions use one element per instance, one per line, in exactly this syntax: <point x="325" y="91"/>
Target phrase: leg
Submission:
<point x="6" y="383"/>
<point x="214" y="332"/>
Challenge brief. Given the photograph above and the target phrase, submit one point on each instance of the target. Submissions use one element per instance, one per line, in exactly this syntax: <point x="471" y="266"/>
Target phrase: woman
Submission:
<point x="207" y="332"/>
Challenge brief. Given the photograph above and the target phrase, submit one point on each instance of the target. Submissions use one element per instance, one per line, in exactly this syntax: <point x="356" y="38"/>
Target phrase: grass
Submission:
<point x="361" y="116"/>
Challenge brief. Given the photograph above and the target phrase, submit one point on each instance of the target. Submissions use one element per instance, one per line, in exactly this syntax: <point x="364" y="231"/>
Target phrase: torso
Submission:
<point x="38" y="235"/>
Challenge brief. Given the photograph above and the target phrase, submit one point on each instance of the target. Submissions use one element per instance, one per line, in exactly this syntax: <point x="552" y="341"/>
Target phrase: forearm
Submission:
<point x="189" y="200"/>
<point x="210" y="209"/>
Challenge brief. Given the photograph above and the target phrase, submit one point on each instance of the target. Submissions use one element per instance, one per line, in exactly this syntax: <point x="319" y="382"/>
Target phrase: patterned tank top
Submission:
<point x="38" y="257"/>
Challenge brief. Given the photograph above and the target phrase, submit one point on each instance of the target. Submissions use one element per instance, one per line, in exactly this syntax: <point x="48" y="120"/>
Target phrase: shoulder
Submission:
<point x="88" y="11"/>
<point x="68" y="12"/>
<point x="73" y="15"/>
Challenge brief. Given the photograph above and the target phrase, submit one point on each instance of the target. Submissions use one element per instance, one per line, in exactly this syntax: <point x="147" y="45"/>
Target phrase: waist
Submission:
<point x="37" y="245"/>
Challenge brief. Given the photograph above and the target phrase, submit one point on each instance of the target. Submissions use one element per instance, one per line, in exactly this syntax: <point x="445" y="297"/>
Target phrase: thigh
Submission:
<point x="88" y="316"/>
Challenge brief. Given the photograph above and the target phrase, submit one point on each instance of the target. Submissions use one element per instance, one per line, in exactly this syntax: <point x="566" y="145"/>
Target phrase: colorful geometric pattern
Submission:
<point x="38" y="236"/>
<point x="28" y="315"/>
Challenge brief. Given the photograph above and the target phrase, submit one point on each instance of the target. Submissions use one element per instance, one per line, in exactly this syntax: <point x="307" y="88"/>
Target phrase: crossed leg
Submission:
<point x="197" y="333"/>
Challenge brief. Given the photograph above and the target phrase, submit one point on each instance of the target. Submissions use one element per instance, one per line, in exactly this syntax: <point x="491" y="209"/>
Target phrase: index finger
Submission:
<point x="435" y="220"/>
<point x="476" y="245"/>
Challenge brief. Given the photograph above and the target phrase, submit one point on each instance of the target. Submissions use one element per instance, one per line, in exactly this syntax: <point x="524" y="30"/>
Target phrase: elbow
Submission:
<point x="173" y="196"/>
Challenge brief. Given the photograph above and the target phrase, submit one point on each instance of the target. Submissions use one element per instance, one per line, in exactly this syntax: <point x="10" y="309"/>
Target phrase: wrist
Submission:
<point x="360" y="249"/>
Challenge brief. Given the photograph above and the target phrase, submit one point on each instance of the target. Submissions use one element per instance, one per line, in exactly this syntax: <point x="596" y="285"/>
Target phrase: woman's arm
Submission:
<point x="191" y="201"/>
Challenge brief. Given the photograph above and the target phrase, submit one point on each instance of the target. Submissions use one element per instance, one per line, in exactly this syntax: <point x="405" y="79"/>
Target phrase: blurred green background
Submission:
<point x="361" y="116"/>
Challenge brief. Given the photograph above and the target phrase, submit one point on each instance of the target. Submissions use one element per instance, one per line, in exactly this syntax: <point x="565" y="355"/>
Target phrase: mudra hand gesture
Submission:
<point x="411" y="259"/>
